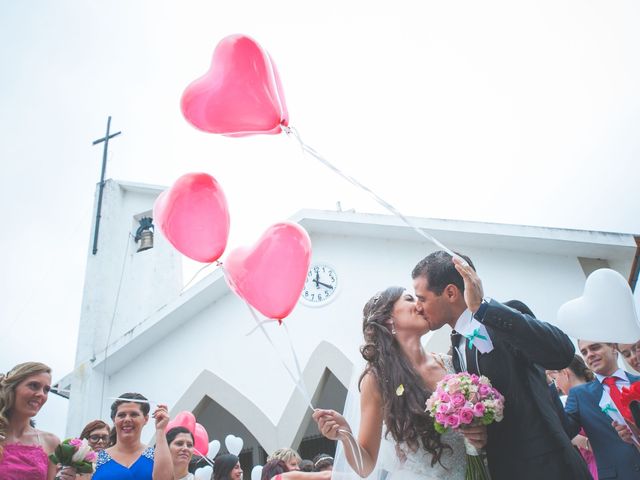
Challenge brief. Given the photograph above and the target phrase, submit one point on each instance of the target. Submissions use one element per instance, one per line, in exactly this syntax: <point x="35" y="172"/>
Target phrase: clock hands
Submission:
<point x="324" y="285"/>
<point x="318" y="282"/>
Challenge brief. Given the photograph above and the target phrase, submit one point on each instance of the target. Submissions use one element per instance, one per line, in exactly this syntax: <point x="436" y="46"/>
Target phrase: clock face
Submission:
<point x="320" y="285"/>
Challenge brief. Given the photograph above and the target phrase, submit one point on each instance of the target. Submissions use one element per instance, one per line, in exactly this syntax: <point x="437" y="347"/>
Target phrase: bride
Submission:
<point x="398" y="378"/>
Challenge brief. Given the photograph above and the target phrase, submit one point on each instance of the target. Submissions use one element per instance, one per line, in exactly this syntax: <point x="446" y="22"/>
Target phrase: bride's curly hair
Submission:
<point x="404" y="415"/>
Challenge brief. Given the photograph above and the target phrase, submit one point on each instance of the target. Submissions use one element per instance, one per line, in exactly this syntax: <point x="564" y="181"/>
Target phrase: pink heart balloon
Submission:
<point x="183" y="419"/>
<point x="240" y="95"/>
<point x="270" y="275"/>
<point x="201" y="440"/>
<point x="192" y="214"/>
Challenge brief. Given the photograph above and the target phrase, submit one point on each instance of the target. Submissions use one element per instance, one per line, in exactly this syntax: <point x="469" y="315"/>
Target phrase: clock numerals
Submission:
<point x="320" y="284"/>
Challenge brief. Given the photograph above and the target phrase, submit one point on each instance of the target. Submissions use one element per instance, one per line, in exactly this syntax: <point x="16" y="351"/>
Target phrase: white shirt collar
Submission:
<point x="619" y="374"/>
<point x="463" y="321"/>
<point x="473" y="330"/>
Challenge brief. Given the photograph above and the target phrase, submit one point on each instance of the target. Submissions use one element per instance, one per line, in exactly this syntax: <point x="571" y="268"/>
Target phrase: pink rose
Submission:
<point x="454" y="385"/>
<point x="453" y="421"/>
<point x="475" y="379"/>
<point x="458" y="400"/>
<point x="443" y="408"/>
<point x="445" y="397"/>
<point x="75" y="442"/>
<point x="466" y="415"/>
<point x="484" y="390"/>
<point x="441" y="418"/>
<point x="91" y="457"/>
<point x="498" y="396"/>
<point x="478" y="409"/>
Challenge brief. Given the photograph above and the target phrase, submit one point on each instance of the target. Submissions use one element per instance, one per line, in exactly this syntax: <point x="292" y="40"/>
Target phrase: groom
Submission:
<point x="508" y="347"/>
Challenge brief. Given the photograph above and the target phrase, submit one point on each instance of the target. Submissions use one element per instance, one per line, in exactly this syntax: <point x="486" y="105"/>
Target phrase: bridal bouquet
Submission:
<point x="466" y="399"/>
<point x="75" y="453"/>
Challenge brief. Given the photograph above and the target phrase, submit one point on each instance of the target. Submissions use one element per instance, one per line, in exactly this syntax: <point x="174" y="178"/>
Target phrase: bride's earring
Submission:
<point x="393" y="328"/>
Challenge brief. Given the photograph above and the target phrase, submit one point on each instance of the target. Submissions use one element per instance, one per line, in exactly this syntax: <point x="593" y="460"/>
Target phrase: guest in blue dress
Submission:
<point x="129" y="458"/>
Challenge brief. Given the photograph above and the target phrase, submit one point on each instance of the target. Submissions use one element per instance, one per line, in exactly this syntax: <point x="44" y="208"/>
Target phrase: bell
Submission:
<point x="146" y="241"/>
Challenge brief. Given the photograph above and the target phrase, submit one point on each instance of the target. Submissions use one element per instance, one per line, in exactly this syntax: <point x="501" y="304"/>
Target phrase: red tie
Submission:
<point x="615" y="395"/>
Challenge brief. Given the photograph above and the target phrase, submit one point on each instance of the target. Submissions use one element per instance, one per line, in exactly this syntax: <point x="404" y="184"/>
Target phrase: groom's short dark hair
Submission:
<point x="439" y="270"/>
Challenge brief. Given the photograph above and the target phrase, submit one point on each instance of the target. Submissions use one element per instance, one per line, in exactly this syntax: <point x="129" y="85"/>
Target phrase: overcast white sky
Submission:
<point x="497" y="111"/>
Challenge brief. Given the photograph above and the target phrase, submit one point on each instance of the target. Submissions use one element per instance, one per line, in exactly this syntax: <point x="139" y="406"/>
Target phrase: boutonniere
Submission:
<point x="475" y="334"/>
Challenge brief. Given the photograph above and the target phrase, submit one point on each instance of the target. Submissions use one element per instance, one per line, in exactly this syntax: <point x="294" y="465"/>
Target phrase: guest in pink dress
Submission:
<point x="24" y="450"/>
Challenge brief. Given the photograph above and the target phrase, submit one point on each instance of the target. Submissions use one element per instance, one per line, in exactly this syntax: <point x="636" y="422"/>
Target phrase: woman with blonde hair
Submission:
<point x="277" y="469"/>
<point x="289" y="456"/>
<point x="25" y="450"/>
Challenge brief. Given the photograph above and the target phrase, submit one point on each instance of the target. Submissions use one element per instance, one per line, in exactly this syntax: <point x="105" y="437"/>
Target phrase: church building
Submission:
<point x="197" y="349"/>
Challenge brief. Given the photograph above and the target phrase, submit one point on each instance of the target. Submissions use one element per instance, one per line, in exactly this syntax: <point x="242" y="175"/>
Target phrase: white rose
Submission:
<point x="81" y="452"/>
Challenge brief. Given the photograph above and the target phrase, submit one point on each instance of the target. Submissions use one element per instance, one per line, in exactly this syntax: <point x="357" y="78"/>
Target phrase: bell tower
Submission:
<point x="133" y="274"/>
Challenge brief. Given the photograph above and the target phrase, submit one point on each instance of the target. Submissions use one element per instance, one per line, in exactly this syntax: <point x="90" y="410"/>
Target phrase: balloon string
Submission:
<point x="217" y="263"/>
<point x="297" y="364"/>
<point x="204" y="457"/>
<point x="291" y="131"/>
<point x="284" y="364"/>
<point x="262" y="322"/>
<point x="355" y="450"/>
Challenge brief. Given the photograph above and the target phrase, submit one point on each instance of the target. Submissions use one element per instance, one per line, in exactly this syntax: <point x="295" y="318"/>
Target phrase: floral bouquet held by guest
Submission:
<point x="75" y="453"/>
<point x="463" y="399"/>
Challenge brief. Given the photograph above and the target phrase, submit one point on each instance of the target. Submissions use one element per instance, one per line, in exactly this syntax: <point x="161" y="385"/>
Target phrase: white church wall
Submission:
<point x="208" y="350"/>
<point x="216" y="338"/>
<point x="146" y="280"/>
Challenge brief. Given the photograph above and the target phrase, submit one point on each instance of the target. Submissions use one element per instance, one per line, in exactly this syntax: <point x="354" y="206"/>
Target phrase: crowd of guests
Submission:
<point x="121" y="455"/>
<point x="609" y="447"/>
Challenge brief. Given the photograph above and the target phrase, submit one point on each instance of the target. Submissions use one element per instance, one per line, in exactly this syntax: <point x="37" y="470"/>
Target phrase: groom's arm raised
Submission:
<point x="540" y="342"/>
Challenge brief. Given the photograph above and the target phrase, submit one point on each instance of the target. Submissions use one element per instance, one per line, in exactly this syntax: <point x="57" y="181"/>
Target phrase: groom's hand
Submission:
<point x="476" y="435"/>
<point x="623" y="431"/>
<point x="473" y="291"/>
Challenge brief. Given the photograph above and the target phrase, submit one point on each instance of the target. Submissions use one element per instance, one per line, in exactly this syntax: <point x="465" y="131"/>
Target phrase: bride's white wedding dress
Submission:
<point x="398" y="461"/>
<point x="417" y="465"/>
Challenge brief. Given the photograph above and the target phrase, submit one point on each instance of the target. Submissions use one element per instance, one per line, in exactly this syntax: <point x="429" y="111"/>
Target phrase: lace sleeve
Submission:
<point x="447" y="361"/>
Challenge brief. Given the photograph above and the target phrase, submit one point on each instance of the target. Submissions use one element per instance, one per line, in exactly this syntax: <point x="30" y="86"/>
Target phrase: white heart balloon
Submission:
<point x="234" y="444"/>
<point x="204" y="473"/>
<point x="256" y="472"/>
<point x="214" y="448"/>
<point x="606" y="311"/>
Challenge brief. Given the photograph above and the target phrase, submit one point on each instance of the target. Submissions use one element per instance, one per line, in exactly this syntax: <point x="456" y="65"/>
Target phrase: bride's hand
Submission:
<point x="476" y="435"/>
<point x="330" y="423"/>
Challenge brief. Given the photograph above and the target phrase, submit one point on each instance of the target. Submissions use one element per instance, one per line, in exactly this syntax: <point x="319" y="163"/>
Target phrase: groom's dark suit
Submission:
<point x="530" y="442"/>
